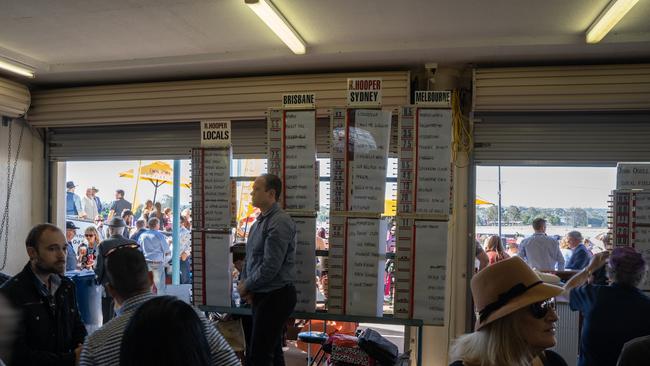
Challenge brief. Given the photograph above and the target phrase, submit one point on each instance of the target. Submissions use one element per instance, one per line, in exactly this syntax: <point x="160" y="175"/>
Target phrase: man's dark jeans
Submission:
<point x="270" y="313"/>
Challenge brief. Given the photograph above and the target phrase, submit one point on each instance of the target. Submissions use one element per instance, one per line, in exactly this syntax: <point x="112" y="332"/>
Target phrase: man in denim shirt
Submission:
<point x="268" y="275"/>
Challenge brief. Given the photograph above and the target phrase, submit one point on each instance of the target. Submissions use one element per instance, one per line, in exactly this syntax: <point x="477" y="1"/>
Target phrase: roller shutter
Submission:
<point x="14" y="99"/>
<point x="185" y="101"/>
<point x="562" y="115"/>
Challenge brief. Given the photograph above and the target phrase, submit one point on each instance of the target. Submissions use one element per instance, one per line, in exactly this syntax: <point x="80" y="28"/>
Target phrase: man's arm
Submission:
<point x="22" y="354"/>
<point x="275" y="250"/>
<point x="581" y="277"/>
<point x="522" y="251"/>
<point x="86" y="358"/>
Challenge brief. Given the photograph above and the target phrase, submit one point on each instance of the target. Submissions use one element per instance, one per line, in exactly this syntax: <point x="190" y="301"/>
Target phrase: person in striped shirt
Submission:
<point x="129" y="282"/>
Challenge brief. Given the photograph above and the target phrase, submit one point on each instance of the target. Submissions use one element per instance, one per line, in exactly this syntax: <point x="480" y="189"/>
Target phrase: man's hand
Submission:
<point x="597" y="261"/>
<point x="77" y="354"/>
<point x="243" y="292"/>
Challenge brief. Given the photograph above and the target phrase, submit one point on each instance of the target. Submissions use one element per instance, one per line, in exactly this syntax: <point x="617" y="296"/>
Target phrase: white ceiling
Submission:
<point x="96" y="41"/>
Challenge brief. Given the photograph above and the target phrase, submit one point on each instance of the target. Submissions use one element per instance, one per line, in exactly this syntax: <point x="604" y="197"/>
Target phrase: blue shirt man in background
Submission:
<point x="540" y="251"/>
<point x="156" y="252"/>
<point x="268" y="275"/>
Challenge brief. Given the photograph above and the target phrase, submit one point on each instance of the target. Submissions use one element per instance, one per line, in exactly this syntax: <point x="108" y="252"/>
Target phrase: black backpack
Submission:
<point x="378" y="347"/>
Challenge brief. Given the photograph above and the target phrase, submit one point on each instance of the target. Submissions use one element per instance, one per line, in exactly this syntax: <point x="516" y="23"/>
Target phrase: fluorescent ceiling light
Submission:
<point x="613" y="13"/>
<point x="278" y="24"/>
<point x="16" y="68"/>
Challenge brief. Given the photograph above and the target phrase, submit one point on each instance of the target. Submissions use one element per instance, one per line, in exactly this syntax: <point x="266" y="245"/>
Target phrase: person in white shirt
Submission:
<point x="88" y="204"/>
<point x="540" y="251"/>
<point x="186" y="250"/>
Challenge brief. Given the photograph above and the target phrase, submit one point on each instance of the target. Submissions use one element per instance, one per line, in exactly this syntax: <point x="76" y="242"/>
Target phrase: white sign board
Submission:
<point x="299" y="160"/>
<point x="216" y="188"/>
<point x="433" y="161"/>
<point x="633" y="176"/>
<point x="366" y="250"/>
<point x="433" y="98"/>
<point x="305" y="261"/>
<point x="430" y="266"/>
<point x="299" y="101"/>
<point x="218" y="281"/>
<point x="215" y="133"/>
<point x="364" y="92"/>
<point x="369" y="138"/>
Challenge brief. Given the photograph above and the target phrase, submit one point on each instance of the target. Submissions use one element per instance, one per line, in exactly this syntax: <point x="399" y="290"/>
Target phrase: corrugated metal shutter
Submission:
<point x="152" y="141"/>
<point x="589" y="138"/>
<point x="562" y="88"/>
<point x="183" y="101"/>
<point x="14" y="99"/>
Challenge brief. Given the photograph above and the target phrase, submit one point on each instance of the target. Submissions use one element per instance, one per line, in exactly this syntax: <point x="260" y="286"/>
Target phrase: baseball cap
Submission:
<point x="69" y="184"/>
<point x="69" y="225"/>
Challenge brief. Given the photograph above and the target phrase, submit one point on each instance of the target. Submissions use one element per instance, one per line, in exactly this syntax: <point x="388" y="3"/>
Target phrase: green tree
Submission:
<point x="513" y="214"/>
<point x="492" y="214"/>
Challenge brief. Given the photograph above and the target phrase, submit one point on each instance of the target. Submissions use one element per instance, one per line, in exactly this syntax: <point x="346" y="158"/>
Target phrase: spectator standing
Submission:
<point x="119" y="205"/>
<point x="99" y="224"/>
<point x="156" y="250"/>
<point x="129" y="283"/>
<point x="158" y="213"/>
<point x="98" y="201"/>
<point x="72" y="201"/>
<point x="186" y="250"/>
<point x="89" y="205"/>
<point x="147" y="210"/>
<point x="564" y="248"/>
<point x="71" y="256"/>
<point x="92" y="242"/>
<point x="168" y="219"/>
<point x="50" y="330"/>
<point x="140" y="227"/>
<point x="115" y="239"/>
<point x="269" y="273"/>
<point x="494" y="249"/>
<point x="612" y="314"/>
<point x="481" y="256"/>
<point x="540" y="251"/>
<point x="127" y="216"/>
<point x="580" y="255"/>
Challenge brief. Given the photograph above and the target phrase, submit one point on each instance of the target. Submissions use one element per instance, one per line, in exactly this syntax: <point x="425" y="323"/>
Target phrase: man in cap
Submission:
<point x="72" y="201"/>
<point x="50" y="331"/>
<point x="580" y="255"/>
<point x="612" y="314"/>
<point x="115" y="239"/>
<point x="71" y="256"/>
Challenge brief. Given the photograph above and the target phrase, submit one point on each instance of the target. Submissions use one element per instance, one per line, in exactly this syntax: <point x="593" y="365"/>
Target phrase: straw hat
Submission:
<point x="505" y="287"/>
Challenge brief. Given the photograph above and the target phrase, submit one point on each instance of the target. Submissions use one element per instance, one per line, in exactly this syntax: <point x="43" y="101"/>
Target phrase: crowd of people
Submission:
<point x="516" y="315"/>
<point x="147" y="329"/>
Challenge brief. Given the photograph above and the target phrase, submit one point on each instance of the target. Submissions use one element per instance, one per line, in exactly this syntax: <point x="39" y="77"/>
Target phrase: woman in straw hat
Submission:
<point x="515" y="319"/>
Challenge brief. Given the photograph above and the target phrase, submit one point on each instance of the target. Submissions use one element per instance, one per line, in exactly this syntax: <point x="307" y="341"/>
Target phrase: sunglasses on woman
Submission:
<point x="540" y="309"/>
<point x="89" y="235"/>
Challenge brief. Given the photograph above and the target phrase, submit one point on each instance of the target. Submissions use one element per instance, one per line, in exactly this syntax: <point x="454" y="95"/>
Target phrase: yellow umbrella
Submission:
<point x="158" y="173"/>
<point x="480" y="201"/>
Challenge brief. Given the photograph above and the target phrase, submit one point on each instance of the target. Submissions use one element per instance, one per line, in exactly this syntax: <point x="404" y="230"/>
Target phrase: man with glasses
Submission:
<point x="50" y="331"/>
<point x="115" y="229"/>
<point x="128" y="280"/>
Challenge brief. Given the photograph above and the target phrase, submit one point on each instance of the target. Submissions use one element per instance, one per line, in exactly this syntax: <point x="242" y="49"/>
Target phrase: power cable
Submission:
<point x="11" y="175"/>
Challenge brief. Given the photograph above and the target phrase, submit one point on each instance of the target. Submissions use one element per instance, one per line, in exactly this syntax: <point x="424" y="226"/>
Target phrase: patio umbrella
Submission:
<point x="480" y="201"/>
<point x="158" y="173"/>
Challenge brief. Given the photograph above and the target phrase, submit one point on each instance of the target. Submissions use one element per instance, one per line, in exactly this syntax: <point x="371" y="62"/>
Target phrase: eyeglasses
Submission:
<point x="540" y="309"/>
<point x="130" y="246"/>
<point x="89" y="235"/>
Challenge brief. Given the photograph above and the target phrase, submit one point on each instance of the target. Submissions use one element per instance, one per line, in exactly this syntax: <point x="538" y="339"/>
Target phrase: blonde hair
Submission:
<point x="564" y="243"/>
<point x="93" y="230"/>
<point x="499" y="343"/>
